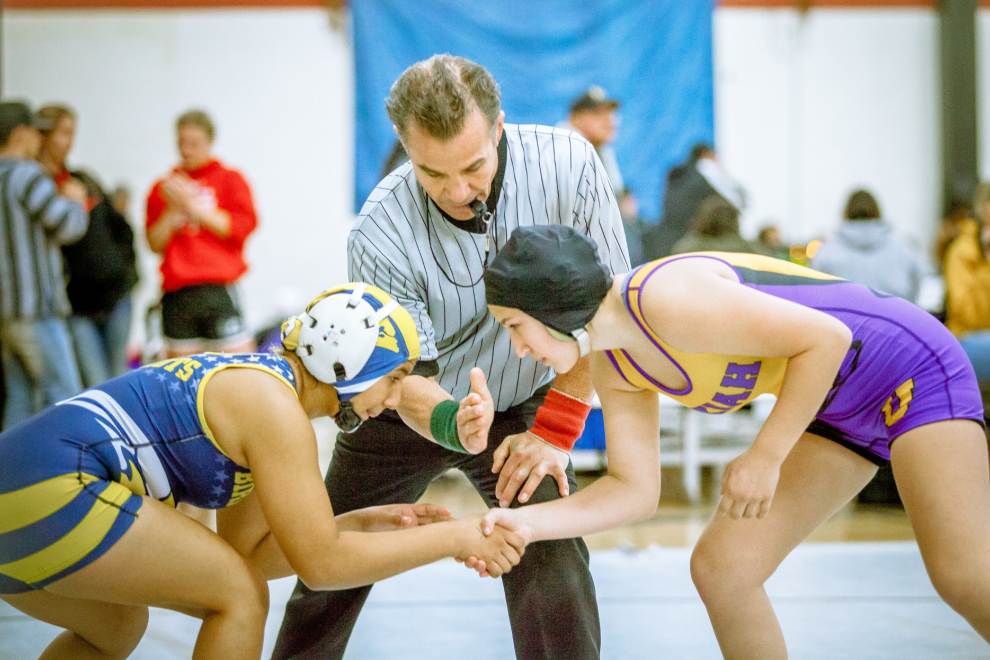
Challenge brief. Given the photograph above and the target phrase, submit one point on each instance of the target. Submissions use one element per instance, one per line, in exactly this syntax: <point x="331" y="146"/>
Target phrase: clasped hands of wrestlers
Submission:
<point x="748" y="486"/>
<point x="523" y="460"/>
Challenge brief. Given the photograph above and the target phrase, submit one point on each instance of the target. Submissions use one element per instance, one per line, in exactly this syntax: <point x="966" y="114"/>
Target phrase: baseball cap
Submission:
<point x="593" y="98"/>
<point x="18" y="113"/>
<point x="550" y="272"/>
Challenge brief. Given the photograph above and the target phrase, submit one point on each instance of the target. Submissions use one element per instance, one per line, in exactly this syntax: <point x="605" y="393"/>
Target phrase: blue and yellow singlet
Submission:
<point x="72" y="478"/>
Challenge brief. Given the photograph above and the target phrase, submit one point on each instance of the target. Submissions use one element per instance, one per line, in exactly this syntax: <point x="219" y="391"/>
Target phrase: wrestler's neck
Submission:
<point x="317" y="399"/>
<point x="612" y="327"/>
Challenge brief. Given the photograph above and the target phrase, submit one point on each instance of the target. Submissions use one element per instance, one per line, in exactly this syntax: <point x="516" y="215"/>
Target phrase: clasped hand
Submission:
<point x="492" y="551"/>
<point x="496" y="548"/>
<point x="185" y="195"/>
<point x="495" y="523"/>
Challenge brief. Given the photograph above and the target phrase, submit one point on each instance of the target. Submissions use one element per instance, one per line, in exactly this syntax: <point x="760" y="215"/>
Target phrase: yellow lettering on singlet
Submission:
<point x="243" y="484"/>
<point x="181" y="367"/>
<point x="904" y="394"/>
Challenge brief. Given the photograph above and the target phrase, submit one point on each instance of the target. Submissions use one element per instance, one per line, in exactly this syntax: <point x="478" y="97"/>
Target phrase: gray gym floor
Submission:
<point x="835" y="600"/>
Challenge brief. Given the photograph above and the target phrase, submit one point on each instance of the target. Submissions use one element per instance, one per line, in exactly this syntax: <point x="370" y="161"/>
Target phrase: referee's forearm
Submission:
<point x="420" y="396"/>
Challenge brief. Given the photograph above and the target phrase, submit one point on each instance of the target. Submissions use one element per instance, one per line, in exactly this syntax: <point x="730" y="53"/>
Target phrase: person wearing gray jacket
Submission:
<point x="866" y="250"/>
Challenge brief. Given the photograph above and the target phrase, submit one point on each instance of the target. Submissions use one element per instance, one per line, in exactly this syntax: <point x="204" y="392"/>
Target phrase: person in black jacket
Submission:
<point x="102" y="272"/>
<point x="688" y="185"/>
<point x="100" y="268"/>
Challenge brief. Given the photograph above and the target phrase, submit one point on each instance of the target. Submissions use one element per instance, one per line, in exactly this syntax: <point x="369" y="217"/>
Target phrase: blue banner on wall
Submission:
<point x="654" y="56"/>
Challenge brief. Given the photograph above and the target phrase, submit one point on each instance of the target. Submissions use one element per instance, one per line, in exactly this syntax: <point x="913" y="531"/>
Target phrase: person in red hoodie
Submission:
<point x="198" y="218"/>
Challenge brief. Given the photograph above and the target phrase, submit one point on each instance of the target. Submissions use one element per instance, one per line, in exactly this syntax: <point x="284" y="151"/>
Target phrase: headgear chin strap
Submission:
<point x="580" y="335"/>
<point x="583" y="339"/>
<point x="346" y="419"/>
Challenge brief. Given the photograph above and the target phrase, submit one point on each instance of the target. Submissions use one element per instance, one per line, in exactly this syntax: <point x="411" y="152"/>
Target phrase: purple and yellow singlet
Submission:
<point x="903" y="368"/>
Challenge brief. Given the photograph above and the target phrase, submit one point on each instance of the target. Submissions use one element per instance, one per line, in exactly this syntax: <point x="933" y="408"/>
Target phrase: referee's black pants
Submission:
<point x="550" y="594"/>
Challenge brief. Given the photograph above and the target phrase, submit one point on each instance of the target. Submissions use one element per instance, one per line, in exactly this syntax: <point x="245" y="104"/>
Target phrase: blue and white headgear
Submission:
<point x="350" y="336"/>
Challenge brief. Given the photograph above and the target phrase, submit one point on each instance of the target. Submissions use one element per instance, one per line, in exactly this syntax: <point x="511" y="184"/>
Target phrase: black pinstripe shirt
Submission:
<point x="403" y="244"/>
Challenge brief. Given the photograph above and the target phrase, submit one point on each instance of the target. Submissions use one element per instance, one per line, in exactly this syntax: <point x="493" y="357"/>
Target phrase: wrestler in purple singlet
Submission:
<point x="904" y="369"/>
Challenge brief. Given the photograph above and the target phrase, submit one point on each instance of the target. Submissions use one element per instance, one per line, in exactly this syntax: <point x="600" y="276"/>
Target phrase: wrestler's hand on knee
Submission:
<point x="521" y="462"/>
<point x="475" y="415"/>
<point x="748" y="486"/>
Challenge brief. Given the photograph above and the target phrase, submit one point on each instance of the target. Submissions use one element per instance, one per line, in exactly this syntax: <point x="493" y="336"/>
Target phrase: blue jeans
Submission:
<point x="101" y="343"/>
<point x="39" y="366"/>
<point x="977" y="347"/>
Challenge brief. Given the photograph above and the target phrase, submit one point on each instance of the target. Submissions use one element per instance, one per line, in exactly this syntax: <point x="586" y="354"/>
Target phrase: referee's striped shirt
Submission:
<point x="35" y="221"/>
<point x="402" y="243"/>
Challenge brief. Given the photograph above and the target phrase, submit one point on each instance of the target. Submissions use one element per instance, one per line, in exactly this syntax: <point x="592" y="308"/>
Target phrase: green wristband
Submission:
<point x="443" y="426"/>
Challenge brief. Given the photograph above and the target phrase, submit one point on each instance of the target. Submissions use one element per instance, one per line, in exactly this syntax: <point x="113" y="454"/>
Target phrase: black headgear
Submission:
<point x="550" y="272"/>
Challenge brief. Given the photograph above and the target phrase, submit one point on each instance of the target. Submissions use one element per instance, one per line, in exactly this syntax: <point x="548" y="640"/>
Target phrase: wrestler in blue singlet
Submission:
<point x="83" y="467"/>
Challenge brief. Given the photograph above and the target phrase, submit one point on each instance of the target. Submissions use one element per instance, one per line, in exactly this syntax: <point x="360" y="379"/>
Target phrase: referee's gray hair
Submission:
<point x="439" y="93"/>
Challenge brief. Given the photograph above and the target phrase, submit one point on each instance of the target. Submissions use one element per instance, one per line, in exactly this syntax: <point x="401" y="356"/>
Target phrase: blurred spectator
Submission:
<point x="967" y="284"/>
<point x="633" y="225"/>
<point x="592" y="115"/>
<point x="688" y="185"/>
<point x="100" y="266"/>
<point x="865" y="250"/>
<point x="959" y="213"/>
<point x="39" y="364"/>
<point x="715" y="228"/>
<point x="396" y="156"/>
<point x="198" y="218"/>
<point x="120" y="199"/>
<point x="768" y="242"/>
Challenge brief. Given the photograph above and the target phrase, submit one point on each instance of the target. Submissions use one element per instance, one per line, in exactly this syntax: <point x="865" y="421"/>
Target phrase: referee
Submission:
<point x="425" y="236"/>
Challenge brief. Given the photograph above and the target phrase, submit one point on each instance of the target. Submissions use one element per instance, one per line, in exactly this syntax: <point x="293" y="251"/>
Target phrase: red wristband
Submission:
<point x="560" y="420"/>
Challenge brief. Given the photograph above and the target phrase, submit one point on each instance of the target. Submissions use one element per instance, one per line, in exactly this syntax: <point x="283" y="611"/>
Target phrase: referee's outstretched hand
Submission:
<point x="476" y="414"/>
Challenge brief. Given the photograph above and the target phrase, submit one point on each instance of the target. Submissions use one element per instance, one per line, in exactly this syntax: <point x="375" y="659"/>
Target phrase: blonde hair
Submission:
<point x="55" y="112"/>
<point x="199" y="119"/>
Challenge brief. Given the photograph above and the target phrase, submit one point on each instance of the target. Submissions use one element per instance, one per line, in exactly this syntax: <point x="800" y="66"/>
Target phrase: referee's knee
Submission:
<point x="547" y="491"/>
